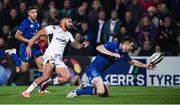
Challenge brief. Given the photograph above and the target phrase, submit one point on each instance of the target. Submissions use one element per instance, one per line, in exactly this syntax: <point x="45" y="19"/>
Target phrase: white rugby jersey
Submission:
<point x="59" y="40"/>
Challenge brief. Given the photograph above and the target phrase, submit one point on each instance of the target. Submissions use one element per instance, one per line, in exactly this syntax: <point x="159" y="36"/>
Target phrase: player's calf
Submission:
<point x="99" y="85"/>
<point x="106" y="92"/>
<point x="64" y="75"/>
<point x="44" y="86"/>
<point x="100" y="91"/>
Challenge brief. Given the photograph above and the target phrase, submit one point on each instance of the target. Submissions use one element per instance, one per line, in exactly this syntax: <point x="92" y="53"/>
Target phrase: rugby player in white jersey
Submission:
<point x="54" y="53"/>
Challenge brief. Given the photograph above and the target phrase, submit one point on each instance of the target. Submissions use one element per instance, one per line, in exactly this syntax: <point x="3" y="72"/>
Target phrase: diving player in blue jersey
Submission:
<point x="28" y="28"/>
<point x="110" y="53"/>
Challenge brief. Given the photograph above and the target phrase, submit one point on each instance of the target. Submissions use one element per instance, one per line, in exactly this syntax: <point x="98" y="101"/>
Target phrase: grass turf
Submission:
<point x="118" y="95"/>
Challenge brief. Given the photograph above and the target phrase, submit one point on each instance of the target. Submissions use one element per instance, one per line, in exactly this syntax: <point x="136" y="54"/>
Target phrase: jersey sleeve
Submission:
<point x="111" y="45"/>
<point x="71" y="37"/>
<point x="23" y="27"/>
<point x="49" y="29"/>
<point x="127" y="58"/>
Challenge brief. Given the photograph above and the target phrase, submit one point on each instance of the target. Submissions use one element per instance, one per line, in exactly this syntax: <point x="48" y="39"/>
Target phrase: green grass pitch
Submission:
<point x="118" y="95"/>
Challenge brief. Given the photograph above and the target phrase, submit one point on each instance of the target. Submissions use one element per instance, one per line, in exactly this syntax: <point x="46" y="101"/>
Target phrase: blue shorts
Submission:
<point x="92" y="73"/>
<point x="36" y="52"/>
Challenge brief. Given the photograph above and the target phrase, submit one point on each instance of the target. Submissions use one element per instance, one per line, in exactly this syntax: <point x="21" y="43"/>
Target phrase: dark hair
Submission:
<point x="127" y="39"/>
<point x="32" y="7"/>
<point x="64" y="17"/>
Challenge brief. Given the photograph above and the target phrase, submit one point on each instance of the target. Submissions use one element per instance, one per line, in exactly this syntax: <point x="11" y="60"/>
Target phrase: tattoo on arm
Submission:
<point x="76" y="45"/>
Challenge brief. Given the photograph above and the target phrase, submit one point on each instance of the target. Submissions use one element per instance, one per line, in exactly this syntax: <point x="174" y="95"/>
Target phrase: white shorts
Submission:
<point x="55" y="59"/>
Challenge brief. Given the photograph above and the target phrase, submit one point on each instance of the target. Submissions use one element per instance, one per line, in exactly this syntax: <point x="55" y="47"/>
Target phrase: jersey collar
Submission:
<point x="31" y="20"/>
<point x="60" y="28"/>
<point x="120" y="47"/>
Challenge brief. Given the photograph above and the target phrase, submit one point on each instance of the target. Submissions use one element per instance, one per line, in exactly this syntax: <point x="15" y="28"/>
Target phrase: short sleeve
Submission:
<point x="49" y="29"/>
<point x="71" y="37"/>
<point x="111" y="45"/>
<point x="23" y="27"/>
<point x="127" y="58"/>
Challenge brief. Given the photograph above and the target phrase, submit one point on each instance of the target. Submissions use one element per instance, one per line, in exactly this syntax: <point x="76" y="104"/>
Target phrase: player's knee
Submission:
<point x="66" y="78"/>
<point x="100" y="91"/>
<point x="23" y="69"/>
<point x="98" y="83"/>
<point x="106" y="93"/>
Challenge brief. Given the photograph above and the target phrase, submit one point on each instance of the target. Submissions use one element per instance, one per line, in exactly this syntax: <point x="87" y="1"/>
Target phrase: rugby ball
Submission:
<point x="156" y="58"/>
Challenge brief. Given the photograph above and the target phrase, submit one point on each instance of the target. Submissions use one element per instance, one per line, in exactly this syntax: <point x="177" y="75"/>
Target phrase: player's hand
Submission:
<point x="36" y="42"/>
<point x="151" y="66"/>
<point x="116" y="55"/>
<point x="85" y="44"/>
<point x="28" y="51"/>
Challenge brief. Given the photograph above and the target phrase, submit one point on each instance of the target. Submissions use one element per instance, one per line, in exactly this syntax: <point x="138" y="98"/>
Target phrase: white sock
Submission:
<point x="56" y="81"/>
<point x="31" y="87"/>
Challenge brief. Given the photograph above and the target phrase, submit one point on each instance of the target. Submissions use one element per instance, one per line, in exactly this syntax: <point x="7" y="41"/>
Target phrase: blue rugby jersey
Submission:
<point x="103" y="61"/>
<point x="29" y="28"/>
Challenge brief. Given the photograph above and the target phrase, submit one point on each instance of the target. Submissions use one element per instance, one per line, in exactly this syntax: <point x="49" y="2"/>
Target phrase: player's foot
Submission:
<point x="45" y="91"/>
<point x="17" y="69"/>
<point x="43" y="88"/>
<point x="26" y="94"/>
<point x="10" y="51"/>
<point x="82" y="85"/>
<point x="71" y="94"/>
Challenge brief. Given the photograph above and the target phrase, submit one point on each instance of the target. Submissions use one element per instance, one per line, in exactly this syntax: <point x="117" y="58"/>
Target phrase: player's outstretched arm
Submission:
<point x="142" y="65"/>
<point x="103" y="50"/>
<point x="19" y="36"/>
<point x="40" y="33"/>
<point x="78" y="45"/>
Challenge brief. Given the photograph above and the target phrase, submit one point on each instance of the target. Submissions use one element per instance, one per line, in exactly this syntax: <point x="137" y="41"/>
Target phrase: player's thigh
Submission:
<point x="37" y="57"/>
<point x="38" y="61"/>
<point x="22" y="52"/>
<point x="61" y="68"/>
<point x="98" y="83"/>
<point x="25" y="66"/>
<point x="63" y="72"/>
<point x="92" y="73"/>
<point x="94" y="77"/>
<point x="47" y="70"/>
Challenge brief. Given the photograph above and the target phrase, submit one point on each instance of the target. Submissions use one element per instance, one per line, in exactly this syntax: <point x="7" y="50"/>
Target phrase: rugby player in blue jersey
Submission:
<point x="110" y="53"/>
<point x="28" y="28"/>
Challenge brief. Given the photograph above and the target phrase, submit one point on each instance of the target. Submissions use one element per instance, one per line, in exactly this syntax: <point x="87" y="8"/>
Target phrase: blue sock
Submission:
<point x="88" y="90"/>
<point x="40" y="73"/>
<point x="16" y="59"/>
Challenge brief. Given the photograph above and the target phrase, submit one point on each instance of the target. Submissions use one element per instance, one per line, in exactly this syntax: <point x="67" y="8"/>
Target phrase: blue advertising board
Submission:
<point x="124" y="74"/>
